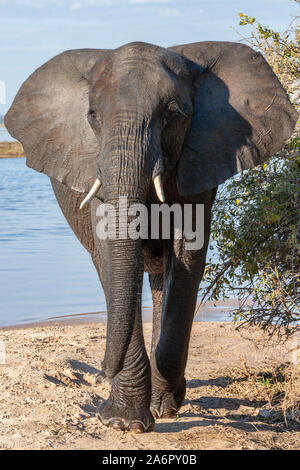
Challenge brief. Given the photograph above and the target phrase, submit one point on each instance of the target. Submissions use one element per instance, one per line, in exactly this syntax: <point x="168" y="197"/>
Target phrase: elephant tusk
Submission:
<point x="159" y="188"/>
<point x="92" y="193"/>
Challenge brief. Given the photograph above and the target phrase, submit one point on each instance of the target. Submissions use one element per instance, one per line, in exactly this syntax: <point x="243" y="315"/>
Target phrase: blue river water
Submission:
<point x="44" y="270"/>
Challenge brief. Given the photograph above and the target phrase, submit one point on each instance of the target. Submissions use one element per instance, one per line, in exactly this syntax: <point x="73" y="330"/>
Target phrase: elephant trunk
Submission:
<point x="123" y="298"/>
<point x="125" y="169"/>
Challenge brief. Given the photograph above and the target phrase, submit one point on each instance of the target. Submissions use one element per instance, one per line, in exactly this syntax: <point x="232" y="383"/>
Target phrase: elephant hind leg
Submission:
<point x="156" y="284"/>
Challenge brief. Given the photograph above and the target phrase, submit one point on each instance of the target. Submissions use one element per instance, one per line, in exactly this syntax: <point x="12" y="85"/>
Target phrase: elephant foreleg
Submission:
<point x="128" y="406"/>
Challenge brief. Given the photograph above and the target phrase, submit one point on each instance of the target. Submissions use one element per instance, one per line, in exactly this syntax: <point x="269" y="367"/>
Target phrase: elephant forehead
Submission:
<point x="139" y="81"/>
<point x="138" y="69"/>
<point x="150" y="58"/>
<point x="146" y="78"/>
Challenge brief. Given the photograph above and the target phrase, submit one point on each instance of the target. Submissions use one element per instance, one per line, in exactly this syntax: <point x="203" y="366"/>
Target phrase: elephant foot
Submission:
<point x="166" y="398"/>
<point x="166" y="403"/>
<point x="122" y="413"/>
<point x="126" y="419"/>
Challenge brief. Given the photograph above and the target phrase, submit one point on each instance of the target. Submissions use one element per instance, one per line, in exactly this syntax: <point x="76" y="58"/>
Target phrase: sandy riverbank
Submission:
<point x="11" y="150"/>
<point x="49" y="395"/>
<point x="210" y="311"/>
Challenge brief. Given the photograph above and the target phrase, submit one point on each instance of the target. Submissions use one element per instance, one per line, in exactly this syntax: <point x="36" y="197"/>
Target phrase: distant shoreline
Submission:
<point x="11" y="150"/>
<point x="207" y="312"/>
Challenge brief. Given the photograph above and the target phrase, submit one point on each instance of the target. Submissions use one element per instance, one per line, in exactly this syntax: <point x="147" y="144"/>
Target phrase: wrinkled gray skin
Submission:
<point x="195" y="114"/>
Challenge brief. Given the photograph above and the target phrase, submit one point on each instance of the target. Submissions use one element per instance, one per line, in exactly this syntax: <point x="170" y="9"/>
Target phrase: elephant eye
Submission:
<point x="173" y="107"/>
<point x="92" y="113"/>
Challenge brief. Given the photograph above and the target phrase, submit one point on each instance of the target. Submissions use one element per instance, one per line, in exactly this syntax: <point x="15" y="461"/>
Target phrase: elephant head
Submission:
<point x="211" y="109"/>
<point x="126" y="119"/>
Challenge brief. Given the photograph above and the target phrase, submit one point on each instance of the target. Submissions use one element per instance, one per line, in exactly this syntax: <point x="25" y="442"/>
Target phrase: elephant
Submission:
<point x="151" y="124"/>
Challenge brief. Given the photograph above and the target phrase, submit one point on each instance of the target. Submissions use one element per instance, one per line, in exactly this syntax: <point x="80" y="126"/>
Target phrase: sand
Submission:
<point x="49" y="396"/>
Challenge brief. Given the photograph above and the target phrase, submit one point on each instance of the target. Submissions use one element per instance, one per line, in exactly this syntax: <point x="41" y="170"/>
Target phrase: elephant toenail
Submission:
<point x="117" y="424"/>
<point x="137" y="427"/>
<point x="101" y="379"/>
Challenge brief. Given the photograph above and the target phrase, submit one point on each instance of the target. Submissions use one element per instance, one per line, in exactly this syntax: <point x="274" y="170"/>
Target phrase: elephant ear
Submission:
<point x="49" y="118"/>
<point x="242" y="115"/>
